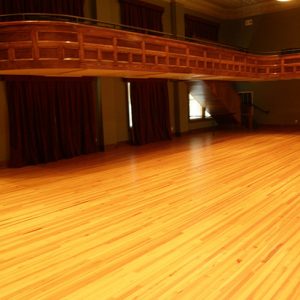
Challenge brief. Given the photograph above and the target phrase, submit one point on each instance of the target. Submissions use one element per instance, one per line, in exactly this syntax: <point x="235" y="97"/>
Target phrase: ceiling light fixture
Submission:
<point x="283" y="0"/>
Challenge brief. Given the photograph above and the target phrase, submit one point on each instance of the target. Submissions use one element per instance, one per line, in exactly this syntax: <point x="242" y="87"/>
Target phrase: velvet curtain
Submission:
<point x="141" y="14"/>
<point x="199" y="28"/>
<point x="149" y="98"/>
<point x="68" y="7"/>
<point x="50" y="119"/>
<point x="150" y="111"/>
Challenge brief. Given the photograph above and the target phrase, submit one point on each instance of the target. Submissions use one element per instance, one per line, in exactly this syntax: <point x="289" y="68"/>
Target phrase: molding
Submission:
<point x="262" y="8"/>
<point x="55" y="48"/>
<point x="221" y="12"/>
<point x="204" y="7"/>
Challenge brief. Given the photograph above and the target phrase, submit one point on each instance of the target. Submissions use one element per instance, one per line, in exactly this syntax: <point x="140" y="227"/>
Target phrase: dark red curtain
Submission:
<point x="141" y="14"/>
<point x="68" y="7"/>
<point x="150" y="111"/>
<point x="199" y="28"/>
<point x="50" y="119"/>
<point x="149" y="98"/>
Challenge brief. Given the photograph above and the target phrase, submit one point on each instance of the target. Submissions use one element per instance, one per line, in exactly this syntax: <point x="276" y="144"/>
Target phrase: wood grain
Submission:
<point x="205" y="216"/>
<point x="74" y="49"/>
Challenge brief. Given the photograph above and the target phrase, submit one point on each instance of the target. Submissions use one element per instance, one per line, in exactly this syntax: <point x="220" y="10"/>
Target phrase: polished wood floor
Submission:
<point x="205" y="216"/>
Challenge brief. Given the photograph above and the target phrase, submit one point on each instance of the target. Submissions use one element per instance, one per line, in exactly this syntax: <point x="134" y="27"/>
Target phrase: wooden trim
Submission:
<point x="200" y="120"/>
<point x="69" y="49"/>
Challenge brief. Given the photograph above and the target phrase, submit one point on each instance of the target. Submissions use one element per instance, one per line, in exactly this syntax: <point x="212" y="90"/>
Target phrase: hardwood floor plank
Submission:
<point x="205" y="216"/>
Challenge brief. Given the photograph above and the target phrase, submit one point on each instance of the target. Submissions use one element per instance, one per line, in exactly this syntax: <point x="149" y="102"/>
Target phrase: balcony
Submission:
<point x="63" y="46"/>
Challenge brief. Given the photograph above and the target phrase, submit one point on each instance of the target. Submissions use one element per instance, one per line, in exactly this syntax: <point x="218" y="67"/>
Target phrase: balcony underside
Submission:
<point x="78" y="72"/>
<point x="54" y="48"/>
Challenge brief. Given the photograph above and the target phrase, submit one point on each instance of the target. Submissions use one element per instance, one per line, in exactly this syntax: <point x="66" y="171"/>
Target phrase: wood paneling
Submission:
<point x="210" y="216"/>
<point x="224" y="100"/>
<point x="39" y="46"/>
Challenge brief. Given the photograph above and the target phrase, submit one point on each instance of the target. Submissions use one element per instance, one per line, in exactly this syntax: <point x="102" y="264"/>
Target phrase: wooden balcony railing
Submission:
<point x="74" y="49"/>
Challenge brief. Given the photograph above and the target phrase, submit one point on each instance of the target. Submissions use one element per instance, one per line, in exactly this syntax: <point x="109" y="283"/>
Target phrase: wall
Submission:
<point x="89" y="9"/>
<point x="184" y="124"/>
<point x="183" y="106"/>
<point x="4" y="133"/>
<point x="113" y="91"/>
<point x="269" y="32"/>
<point x="114" y="110"/>
<point x="274" y="31"/>
<point x="280" y="98"/>
<point x="108" y="11"/>
<point x="234" y="32"/>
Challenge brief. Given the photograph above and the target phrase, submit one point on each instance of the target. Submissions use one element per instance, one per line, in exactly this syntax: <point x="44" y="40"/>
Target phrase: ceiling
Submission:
<point x="231" y="9"/>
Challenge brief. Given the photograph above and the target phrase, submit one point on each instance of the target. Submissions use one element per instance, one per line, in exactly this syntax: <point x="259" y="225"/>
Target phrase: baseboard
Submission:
<point x="116" y="145"/>
<point x="196" y="130"/>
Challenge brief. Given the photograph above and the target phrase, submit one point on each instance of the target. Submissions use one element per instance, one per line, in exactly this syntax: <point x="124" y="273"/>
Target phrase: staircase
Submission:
<point x="220" y="100"/>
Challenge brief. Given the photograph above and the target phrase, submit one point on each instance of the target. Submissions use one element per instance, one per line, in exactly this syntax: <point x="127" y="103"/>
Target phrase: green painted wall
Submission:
<point x="183" y="106"/>
<point x="108" y="11"/>
<point x="269" y="32"/>
<point x="4" y="133"/>
<point x="280" y="98"/>
<point x="114" y="110"/>
<point x="89" y="9"/>
<point x="112" y="91"/>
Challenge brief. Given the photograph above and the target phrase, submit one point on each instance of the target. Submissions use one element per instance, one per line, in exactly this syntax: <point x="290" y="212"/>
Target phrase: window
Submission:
<point x="196" y="110"/>
<point x="129" y="105"/>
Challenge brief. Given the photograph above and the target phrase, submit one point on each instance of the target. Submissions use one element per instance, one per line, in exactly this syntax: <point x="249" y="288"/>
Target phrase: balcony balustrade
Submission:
<point x="64" y="48"/>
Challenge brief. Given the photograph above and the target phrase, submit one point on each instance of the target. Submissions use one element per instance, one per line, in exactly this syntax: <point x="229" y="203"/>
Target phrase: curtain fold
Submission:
<point x="196" y="27"/>
<point x="149" y="98"/>
<point x="141" y="14"/>
<point x="50" y="119"/>
<point x="68" y="7"/>
<point x="150" y="111"/>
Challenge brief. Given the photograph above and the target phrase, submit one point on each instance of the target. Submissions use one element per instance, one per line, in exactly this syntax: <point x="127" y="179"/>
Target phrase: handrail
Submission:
<point x="98" y="23"/>
<point x="63" y="44"/>
<point x="76" y="19"/>
<point x="260" y="109"/>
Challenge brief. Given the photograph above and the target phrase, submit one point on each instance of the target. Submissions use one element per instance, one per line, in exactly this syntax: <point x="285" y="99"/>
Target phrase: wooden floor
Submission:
<point x="206" y="216"/>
